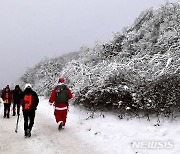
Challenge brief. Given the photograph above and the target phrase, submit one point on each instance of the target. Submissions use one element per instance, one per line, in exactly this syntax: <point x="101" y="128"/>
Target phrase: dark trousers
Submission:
<point x="16" y="104"/>
<point x="29" y="116"/>
<point x="7" y="109"/>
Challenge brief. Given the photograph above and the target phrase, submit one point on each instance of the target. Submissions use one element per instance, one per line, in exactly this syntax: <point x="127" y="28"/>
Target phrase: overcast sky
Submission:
<point x="31" y="30"/>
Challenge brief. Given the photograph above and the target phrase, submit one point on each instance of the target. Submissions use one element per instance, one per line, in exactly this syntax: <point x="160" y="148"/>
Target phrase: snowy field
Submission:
<point x="107" y="135"/>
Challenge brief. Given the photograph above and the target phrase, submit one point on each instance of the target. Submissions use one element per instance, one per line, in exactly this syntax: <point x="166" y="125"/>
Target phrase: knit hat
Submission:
<point x="61" y="80"/>
<point x="27" y="85"/>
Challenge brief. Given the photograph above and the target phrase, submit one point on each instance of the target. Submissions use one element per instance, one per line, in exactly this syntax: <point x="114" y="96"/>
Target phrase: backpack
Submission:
<point x="27" y="101"/>
<point x="61" y="94"/>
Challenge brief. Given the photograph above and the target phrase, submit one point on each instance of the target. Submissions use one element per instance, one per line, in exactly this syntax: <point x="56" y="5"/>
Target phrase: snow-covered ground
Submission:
<point x="83" y="135"/>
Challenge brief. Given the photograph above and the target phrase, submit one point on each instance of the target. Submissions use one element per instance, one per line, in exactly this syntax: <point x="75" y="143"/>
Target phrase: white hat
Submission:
<point x="27" y="85"/>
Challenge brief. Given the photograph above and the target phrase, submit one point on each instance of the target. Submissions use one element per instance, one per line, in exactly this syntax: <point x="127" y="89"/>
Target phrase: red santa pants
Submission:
<point x="61" y="115"/>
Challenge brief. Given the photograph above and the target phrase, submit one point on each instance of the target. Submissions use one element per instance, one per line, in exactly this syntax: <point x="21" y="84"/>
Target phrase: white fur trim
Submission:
<point x="61" y="108"/>
<point x="60" y="83"/>
<point x="60" y="122"/>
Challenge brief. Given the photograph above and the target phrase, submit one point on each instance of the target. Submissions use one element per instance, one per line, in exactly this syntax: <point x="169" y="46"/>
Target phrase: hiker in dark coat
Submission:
<point x="17" y="96"/>
<point x="29" y="105"/>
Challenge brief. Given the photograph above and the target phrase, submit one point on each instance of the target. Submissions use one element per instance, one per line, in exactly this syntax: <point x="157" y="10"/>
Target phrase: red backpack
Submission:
<point x="27" y="101"/>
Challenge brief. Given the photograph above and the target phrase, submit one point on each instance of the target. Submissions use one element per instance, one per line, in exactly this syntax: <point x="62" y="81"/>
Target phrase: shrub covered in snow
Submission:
<point x="163" y="95"/>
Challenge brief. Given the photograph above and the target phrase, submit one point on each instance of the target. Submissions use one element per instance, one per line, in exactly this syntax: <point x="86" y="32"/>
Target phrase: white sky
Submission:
<point x="31" y="30"/>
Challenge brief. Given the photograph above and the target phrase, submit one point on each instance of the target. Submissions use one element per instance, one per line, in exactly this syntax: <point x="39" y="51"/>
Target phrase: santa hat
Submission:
<point x="61" y="80"/>
<point x="27" y="85"/>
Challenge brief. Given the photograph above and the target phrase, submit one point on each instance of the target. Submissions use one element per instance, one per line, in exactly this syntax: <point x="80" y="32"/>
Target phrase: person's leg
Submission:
<point x="8" y="109"/>
<point x="18" y="108"/>
<point x="25" y="115"/>
<point x="64" y="116"/>
<point x="58" y="115"/>
<point x="59" y="118"/>
<point x="31" y="117"/>
<point x="14" y="108"/>
<point x="5" y="108"/>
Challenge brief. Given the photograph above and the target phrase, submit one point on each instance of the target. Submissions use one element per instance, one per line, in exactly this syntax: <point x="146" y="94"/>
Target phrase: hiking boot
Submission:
<point x="4" y="116"/>
<point x="14" y="114"/>
<point x="28" y="133"/>
<point x="60" y="125"/>
<point x="8" y="116"/>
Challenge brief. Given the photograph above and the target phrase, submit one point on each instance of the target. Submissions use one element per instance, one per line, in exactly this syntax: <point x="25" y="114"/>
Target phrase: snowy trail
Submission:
<point x="100" y="135"/>
<point x="45" y="137"/>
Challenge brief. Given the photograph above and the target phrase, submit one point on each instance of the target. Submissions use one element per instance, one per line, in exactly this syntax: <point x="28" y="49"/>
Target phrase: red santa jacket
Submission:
<point x="59" y="105"/>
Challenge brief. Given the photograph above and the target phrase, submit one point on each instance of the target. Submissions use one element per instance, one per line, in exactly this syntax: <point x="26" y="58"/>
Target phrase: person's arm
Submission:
<point x="36" y="100"/>
<point x="52" y="96"/>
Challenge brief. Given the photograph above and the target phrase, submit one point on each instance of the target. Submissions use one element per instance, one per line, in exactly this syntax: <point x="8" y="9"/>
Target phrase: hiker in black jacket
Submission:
<point x="30" y="103"/>
<point x="17" y="96"/>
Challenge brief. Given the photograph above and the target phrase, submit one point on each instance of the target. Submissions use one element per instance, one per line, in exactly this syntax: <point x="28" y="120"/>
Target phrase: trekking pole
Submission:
<point x="17" y="124"/>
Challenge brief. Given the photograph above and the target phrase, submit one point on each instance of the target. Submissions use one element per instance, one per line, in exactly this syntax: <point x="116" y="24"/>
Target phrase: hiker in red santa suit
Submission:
<point x="60" y="96"/>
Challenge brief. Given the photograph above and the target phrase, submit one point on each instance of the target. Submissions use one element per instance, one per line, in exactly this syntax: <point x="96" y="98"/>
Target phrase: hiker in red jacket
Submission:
<point x="7" y="97"/>
<point x="60" y="96"/>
